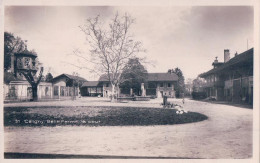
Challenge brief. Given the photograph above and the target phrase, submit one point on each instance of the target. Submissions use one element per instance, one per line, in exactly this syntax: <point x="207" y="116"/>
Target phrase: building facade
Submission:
<point x="21" y="90"/>
<point x="64" y="86"/>
<point x="158" y="84"/>
<point x="231" y="80"/>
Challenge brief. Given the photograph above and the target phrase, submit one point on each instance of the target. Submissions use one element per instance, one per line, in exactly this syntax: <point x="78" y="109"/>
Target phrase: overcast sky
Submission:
<point x="186" y="37"/>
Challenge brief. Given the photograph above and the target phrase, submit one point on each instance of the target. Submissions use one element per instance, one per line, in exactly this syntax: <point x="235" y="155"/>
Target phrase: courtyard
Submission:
<point x="227" y="133"/>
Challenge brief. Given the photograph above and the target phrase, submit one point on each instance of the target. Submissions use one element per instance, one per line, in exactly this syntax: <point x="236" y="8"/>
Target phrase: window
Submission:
<point x="19" y="63"/>
<point x="107" y="84"/>
<point x="152" y="85"/>
<point x="12" y="91"/>
<point x="46" y="91"/>
<point x="62" y="90"/>
<point x="29" y="92"/>
<point x="27" y="62"/>
<point x="56" y="90"/>
<point x="161" y="84"/>
<point x="33" y="63"/>
<point x="169" y="85"/>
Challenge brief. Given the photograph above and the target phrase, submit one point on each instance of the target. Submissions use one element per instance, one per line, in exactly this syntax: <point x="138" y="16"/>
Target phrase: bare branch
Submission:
<point x="110" y="47"/>
<point x="40" y="76"/>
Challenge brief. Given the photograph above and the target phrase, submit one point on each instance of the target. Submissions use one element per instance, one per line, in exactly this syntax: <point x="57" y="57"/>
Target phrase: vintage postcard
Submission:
<point x="98" y="81"/>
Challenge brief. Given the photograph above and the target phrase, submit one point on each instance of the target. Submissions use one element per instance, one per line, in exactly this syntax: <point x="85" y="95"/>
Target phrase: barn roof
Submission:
<point x="72" y="77"/>
<point x="91" y="84"/>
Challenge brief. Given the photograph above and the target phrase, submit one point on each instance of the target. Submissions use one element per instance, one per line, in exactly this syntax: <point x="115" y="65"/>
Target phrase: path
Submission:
<point x="226" y="134"/>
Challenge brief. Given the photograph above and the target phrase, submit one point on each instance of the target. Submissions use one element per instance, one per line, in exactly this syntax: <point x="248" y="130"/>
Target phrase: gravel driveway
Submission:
<point x="226" y="134"/>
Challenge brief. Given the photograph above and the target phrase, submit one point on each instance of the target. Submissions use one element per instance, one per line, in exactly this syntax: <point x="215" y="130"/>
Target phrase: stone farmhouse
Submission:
<point x="231" y="80"/>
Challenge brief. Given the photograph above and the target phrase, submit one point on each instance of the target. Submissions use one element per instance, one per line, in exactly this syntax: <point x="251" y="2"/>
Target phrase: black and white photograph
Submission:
<point x="107" y="81"/>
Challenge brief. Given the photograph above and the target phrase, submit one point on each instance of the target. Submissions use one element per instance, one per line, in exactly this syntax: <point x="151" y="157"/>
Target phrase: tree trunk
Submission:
<point x="113" y="93"/>
<point x="34" y="93"/>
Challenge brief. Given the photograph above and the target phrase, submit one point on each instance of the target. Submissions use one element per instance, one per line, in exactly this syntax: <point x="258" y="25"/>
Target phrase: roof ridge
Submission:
<point x="242" y="56"/>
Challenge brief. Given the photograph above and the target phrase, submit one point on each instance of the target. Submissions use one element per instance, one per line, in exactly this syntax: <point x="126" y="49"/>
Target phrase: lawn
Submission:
<point x="96" y="116"/>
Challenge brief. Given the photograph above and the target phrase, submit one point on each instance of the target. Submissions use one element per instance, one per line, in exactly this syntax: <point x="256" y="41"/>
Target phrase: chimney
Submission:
<point x="216" y="60"/>
<point x="215" y="63"/>
<point x="226" y="55"/>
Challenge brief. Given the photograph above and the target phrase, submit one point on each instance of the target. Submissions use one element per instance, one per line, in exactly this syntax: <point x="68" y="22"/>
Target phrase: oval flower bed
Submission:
<point x="96" y="116"/>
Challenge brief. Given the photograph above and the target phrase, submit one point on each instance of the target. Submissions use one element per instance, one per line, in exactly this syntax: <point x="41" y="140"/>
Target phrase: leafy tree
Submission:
<point x="12" y="45"/>
<point x="188" y="86"/>
<point x="111" y="46"/>
<point x="180" y="88"/>
<point x="134" y="73"/>
<point x="48" y="77"/>
<point x="197" y="84"/>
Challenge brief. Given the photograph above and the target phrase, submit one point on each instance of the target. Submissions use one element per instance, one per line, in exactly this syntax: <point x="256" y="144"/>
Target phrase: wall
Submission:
<point x="21" y="90"/>
<point x="57" y="87"/>
<point x="165" y="90"/>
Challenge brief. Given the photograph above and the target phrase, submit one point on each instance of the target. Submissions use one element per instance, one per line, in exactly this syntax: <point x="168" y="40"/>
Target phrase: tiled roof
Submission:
<point x="162" y="77"/>
<point x="70" y="77"/>
<point x="27" y="53"/>
<point x="75" y="77"/>
<point x="91" y="84"/>
<point x="246" y="56"/>
<point x="151" y="77"/>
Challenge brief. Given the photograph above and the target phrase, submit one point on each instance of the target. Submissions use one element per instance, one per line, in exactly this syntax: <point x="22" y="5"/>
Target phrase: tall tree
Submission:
<point x="12" y="45"/>
<point x="48" y="77"/>
<point x="111" y="46"/>
<point x="134" y="73"/>
<point x="180" y="85"/>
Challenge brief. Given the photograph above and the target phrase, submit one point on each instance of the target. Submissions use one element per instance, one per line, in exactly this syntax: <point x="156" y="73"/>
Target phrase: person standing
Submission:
<point x="165" y="100"/>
